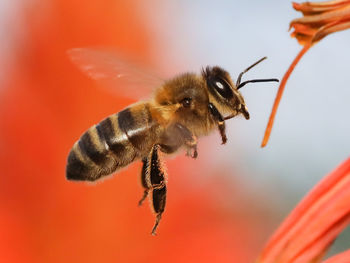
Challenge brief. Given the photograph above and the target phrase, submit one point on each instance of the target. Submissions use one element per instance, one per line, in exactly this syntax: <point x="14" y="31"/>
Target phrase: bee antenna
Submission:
<point x="244" y="71"/>
<point x="255" y="80"/>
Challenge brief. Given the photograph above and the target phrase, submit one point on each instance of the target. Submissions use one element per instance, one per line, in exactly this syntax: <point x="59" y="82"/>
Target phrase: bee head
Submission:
<point x="223" y="92"/>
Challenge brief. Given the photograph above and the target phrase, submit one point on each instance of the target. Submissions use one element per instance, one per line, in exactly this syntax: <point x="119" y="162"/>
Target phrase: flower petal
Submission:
<point x="308" y="8"/>
<point x="316" y="22"/>
<point x="340" y="258"/>
<point x="331" y="28"/>
<point x="313" y="225"/>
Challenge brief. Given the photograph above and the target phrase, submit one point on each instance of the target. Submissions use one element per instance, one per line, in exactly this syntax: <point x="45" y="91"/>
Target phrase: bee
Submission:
<point x="181" y="110"/>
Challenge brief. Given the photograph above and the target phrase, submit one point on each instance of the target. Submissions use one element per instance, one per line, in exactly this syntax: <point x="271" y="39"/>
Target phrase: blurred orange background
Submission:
<point x="46" y="103"/>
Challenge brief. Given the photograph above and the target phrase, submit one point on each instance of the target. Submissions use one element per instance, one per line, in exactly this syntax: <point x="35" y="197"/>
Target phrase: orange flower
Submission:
<point x="320" y="19"/>
<point x="313" y="225"/>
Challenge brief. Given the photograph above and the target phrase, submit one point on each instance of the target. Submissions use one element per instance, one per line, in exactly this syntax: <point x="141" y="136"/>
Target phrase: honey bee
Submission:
<point x="181" y="110"/>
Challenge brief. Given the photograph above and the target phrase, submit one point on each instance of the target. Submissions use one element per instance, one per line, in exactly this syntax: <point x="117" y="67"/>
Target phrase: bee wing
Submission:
<point x="115" y="72"/>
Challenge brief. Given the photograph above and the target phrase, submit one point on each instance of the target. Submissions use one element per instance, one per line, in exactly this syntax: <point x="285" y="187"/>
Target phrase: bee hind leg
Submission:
<point x="157" y="181"/>
<point x="153" y="179"/>
<point x="144" y="174"/>
<point x="158" y="201"/>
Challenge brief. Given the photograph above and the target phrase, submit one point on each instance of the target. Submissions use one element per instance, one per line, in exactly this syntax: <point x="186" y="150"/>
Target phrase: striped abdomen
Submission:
<point x="114" y="143"/>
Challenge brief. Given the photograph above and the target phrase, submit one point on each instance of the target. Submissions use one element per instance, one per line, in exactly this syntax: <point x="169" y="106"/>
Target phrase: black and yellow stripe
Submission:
<point x="114" y="143"/>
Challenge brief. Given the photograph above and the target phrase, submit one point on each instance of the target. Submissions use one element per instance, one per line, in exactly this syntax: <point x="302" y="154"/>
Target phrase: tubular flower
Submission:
<point x="306" y="234"/>
<point x="320" y="19"/>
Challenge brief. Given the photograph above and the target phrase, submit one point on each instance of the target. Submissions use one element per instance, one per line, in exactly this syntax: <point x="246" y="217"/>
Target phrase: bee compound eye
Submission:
<point x="186" y="102"/>
<point x="222" y="87"/>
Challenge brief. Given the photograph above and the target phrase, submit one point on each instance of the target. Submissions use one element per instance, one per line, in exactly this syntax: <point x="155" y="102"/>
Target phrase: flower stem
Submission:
<point x="280" y="92"/>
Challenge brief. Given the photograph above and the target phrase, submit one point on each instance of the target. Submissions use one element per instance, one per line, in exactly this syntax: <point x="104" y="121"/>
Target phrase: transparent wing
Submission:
<point x="115" y="72"/>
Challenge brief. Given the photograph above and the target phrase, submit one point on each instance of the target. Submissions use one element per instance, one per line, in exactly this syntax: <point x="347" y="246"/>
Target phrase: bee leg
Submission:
<point x="156" y="182"/>
<point x="159" y="198"/>
<point x="192" y="151"/>
<point x="144" y="175"/>
<point x="176" y="136"/>
<point x="219" y="120"/>
<point x="190" y="140"/>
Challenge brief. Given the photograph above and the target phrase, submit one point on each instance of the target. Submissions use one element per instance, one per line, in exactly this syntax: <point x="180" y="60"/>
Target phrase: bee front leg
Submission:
<point x="192" y="150"/>
<point x="178" y="135"/>
<point x="219" y="120"/>
<point x="190" y="140"/>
